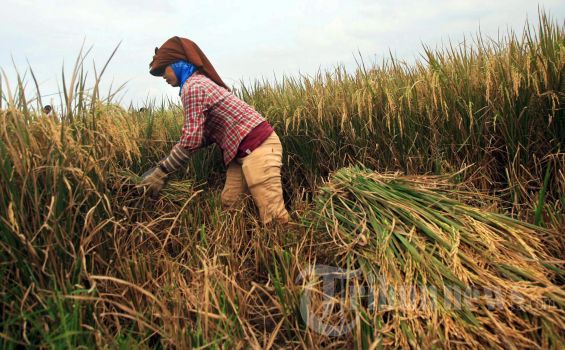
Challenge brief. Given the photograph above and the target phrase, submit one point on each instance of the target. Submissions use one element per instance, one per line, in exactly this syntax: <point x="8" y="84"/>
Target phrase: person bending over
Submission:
<point x="251" y="149"/>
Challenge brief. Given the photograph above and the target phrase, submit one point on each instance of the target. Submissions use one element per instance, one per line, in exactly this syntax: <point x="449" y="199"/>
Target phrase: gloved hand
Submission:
<point x="153" y="181"/>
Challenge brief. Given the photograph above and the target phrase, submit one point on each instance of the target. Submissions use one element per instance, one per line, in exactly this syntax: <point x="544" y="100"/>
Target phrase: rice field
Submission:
<point x="428" y="202"/>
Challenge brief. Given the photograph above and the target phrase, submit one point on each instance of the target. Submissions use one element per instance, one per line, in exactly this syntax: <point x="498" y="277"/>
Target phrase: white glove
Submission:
<point x="153" y="181"/>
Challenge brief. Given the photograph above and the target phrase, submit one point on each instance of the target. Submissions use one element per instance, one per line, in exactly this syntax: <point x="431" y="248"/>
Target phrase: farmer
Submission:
<point x="47" y="110"/>
<point x="251" y="149"/>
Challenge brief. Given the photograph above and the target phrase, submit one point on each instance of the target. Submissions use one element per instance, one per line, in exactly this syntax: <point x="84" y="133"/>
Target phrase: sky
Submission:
<point x="246" y="40"/>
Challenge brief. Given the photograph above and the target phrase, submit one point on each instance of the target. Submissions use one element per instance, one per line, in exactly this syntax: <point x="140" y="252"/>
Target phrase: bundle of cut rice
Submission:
<point x="440" y="272"/>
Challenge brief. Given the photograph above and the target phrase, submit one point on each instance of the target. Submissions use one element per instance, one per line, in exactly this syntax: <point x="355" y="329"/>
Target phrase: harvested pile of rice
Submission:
<point x="439" y="272"/>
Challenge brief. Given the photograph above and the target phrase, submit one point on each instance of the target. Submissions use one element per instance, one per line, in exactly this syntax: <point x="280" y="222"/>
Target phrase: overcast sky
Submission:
<point x="246" y="39"/>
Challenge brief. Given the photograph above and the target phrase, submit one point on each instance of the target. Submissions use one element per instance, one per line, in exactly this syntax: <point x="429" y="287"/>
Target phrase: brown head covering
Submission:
<point x="176" y="49"/>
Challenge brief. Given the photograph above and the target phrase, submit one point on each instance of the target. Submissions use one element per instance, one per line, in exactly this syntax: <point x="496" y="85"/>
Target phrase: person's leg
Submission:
<point x="235" y="185"/>
<point x="262" y="172"/>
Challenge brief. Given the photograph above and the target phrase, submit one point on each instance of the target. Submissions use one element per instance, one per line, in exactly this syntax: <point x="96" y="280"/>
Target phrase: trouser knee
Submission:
<point x="228" y="199"/>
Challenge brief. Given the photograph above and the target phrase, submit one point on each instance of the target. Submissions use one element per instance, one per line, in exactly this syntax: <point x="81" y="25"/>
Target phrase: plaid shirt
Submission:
<point x="214" y="115"/>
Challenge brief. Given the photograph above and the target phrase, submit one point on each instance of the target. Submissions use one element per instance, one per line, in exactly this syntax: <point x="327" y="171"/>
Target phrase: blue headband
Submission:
<point x="183" y="70"/>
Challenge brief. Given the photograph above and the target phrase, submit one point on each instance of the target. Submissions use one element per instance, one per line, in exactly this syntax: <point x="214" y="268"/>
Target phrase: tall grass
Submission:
<point x="86" y="262"/>
<point x="495" y="104"/>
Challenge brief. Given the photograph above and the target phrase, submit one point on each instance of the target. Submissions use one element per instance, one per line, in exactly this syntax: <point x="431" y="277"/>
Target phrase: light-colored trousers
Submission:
<point x="258" y="174"/>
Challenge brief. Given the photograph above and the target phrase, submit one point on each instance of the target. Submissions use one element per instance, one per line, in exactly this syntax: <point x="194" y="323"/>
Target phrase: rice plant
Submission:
<point x="88" y="262"/>
<point x="414" y="234"/>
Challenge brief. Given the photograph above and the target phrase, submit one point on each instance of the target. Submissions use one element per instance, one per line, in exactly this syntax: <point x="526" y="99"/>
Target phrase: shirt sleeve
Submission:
<point x="195" y="103"/>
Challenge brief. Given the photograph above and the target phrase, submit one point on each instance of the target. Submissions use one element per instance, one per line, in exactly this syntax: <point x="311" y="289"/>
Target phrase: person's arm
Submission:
<point x="194" y="102"/>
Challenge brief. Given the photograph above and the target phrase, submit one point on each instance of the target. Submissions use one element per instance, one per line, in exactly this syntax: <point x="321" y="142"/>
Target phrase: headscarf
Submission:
<point x="183" y="70"/>
<point x="184" y="49"/>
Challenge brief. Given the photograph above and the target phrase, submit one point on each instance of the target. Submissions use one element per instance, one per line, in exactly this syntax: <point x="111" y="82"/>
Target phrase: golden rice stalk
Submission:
<point x="177" y="191"/>
<point x="417" y="234"/>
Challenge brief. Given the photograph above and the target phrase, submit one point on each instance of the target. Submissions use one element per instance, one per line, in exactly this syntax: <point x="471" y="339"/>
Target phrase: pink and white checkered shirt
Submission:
<point x="212" y="114"/>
